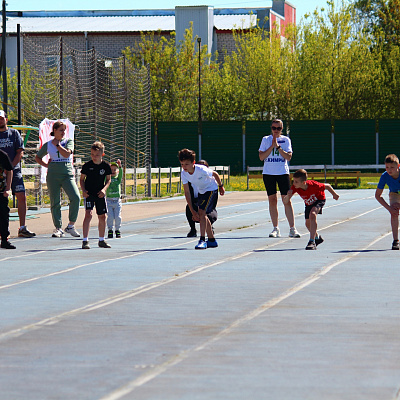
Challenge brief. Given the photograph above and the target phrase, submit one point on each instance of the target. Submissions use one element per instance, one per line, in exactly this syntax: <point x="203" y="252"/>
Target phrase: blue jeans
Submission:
<point x="114" y="207"/>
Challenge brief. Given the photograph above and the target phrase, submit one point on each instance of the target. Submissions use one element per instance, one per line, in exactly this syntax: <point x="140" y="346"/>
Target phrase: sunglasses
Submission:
<point x="276" y="128"/>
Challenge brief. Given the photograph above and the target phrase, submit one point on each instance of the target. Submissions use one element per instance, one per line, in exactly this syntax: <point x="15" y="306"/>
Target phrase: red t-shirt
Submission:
<point x="315" y="191"/>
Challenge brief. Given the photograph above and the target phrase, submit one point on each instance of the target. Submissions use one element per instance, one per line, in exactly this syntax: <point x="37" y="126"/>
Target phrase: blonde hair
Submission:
<point x="391" y="158"/>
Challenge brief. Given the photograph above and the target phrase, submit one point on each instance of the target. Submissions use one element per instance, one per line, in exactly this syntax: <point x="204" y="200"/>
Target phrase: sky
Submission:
<point x="302" y="6"/>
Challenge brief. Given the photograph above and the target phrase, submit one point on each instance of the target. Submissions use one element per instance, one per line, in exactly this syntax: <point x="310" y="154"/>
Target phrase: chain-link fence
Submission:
<point x="106" y="99"/>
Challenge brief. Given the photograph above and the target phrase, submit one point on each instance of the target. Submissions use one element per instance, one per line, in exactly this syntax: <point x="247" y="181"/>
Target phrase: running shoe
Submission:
<point x="104" y="244"/>
<point x="202" y="245"/>
<point x="395" y="245"/>
<point x="311" y="245"/>
<point x="192" y="233"/>
<point x="72" y="231"/>
<point x="293" y="233"/>
<point x="58" y="233"/>
<point x="211" y="244"/>
<point x="85" y="244"/>
<point x="318" y="240"/>
<point x="25" y="232"/>
<point x="118" y="234"/>
<point x="110" y="234"/>
<point x="275" y="233"/>
<point x="7" y="245"/>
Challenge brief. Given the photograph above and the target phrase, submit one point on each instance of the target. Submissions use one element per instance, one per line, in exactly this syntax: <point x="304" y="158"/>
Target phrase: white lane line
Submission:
<point x="145" y="288"/>
<point x="67" y="270"/>
<point x="125" y="295"/>
<point x="178" y="358"/>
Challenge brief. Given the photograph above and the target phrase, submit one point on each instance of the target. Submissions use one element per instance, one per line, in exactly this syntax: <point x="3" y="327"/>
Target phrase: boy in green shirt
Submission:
<point x="113" y="198"/>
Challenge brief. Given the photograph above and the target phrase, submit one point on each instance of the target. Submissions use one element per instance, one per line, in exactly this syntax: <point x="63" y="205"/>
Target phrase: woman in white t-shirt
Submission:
<point x="60" y="174"/>
<point x="276" y="151"/>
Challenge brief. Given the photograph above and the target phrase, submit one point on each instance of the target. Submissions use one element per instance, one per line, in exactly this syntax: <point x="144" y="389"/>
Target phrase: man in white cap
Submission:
<point x="11" y="142"/>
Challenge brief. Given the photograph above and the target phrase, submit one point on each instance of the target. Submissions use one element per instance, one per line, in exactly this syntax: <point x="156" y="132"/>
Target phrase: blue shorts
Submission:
<point x="100" y="203"/>
<point x="17" y="184"/>
<point x="208" y="201"/>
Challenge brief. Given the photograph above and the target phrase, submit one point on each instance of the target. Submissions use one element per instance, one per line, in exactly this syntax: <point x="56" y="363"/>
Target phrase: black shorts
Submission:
<point x="270" y="182"/>
<point x="208" y="201"/>
<point x="319" y="204"/>
<point x="100" y="203"/>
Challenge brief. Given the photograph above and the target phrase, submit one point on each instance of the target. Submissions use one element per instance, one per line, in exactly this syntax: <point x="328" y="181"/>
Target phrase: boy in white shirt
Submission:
<point x="208" y="182"/>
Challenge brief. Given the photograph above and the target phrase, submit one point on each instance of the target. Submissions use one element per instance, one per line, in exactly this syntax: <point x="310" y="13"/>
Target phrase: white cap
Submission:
<point x="2" y="114"/>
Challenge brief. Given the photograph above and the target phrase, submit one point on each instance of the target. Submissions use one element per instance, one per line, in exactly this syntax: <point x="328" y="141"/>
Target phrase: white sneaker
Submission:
<point x="72" y="231"/>
<point x="275" y="233"/>
<point x="58" y="233"/>
<point x="293" y="233"/>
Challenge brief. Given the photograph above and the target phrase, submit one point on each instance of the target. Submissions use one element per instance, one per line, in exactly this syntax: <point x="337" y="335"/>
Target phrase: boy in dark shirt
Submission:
<point x="95" y="179"/>
<point x="6" y="173"/>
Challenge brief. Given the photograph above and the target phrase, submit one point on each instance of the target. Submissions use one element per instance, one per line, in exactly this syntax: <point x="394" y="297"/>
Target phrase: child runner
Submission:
<point x="391" y="178"/>
<point x="313" y="194"/>
<point x="95" y="179"/>
<point x="207" y="183"/>
<point x="113" y="198"/>
<point x="6" y="173"/>
<point x="194" y="194"/>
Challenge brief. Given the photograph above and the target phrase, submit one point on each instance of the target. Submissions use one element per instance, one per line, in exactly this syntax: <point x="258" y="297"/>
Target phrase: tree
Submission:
<point x="382" y="17"/>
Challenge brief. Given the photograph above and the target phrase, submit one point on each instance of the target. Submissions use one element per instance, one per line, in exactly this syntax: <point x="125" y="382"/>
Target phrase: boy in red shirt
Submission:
<point x="313" y="194"/>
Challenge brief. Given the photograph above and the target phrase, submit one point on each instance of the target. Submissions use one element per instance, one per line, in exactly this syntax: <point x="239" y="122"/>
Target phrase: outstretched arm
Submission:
<point x="330" y="189"/>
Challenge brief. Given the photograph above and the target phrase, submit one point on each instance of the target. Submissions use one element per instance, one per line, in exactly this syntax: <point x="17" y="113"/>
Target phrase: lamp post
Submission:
<point x="200" y="126"/>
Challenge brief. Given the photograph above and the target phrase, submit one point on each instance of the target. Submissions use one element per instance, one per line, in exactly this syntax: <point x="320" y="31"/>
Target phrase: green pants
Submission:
<point x="60" y="175"/>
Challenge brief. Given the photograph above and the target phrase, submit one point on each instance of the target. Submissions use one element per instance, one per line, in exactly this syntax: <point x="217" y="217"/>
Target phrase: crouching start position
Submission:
<point x="208" y="182"/>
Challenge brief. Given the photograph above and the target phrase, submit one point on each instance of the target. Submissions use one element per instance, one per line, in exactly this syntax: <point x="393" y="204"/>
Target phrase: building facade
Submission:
<point x="110" y="32"/>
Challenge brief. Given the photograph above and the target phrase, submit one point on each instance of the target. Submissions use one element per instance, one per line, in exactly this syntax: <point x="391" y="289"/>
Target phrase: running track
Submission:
<point x="257" y="318"/>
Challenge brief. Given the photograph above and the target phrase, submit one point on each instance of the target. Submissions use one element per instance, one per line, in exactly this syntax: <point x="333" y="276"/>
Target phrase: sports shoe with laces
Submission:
<point x="118" y="234"/>
<point x="192" y="233"/>
<point x="7" y="245"/>
<point x="293" y="233"/>
<point x="275" y="233"/>
<point x="311" y="245"/>
<point x="104" y="244"/>
<point x="395" y="245"/>
<point x="72" y="231"/>
<point x="211" y="244"/>
<point x="202" y="245"/>
<point x="110" y="234"/>
<point x="85" y="244"/>
<point x="318" y="240"/>
<point x="58" y="232"/>
<point x="25" y="232"/>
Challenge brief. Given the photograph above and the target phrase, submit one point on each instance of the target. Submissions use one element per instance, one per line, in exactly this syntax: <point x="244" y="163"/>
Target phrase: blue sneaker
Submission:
<point x="212" y="244"/>
<point x="202" y="245"/>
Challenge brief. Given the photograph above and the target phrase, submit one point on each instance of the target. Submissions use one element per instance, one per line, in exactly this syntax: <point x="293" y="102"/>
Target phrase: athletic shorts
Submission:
<point x="270" y="182"/>
<point x="17" y="183"/>
<point x="100" y="203"/>
<point x="319" y="204"/>
<point x="208" y="201"/>
<point x="394" y="197"/>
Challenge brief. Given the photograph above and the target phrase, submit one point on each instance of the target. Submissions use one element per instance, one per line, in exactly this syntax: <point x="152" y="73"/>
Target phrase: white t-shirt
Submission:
<point x="54" y="153"/>
<point x="202" y="178"/>
<point x="275" y="164"/>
